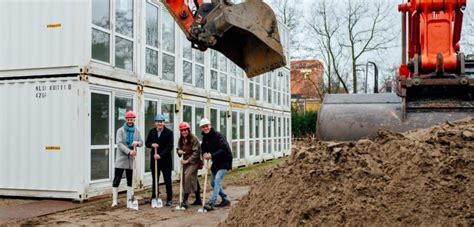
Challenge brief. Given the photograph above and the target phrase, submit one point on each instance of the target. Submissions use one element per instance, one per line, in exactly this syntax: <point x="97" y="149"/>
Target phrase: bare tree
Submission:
<point x="289" y="13"/>
<point x="368" y="30"/>
<point x="325" y="25"/>
<point x="346" y="33"/>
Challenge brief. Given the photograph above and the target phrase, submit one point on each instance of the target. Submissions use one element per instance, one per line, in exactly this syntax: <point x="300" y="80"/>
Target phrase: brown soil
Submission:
<point x="422" y="177"/>
<point x="100" y="213"/>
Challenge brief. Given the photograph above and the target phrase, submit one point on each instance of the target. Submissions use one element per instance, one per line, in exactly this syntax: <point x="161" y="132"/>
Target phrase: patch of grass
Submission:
<point x="248" y="175"/>
<point x="257" y="167"/>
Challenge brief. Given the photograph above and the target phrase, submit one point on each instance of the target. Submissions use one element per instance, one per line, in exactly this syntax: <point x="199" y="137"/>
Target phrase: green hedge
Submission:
<point x="303" y="124"/>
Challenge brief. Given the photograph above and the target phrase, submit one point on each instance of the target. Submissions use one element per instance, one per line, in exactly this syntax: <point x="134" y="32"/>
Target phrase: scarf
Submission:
<point x="130" y="131"/>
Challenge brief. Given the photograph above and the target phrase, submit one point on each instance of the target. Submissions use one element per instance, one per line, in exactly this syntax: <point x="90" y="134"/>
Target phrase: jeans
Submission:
<point x="216" y="183"/>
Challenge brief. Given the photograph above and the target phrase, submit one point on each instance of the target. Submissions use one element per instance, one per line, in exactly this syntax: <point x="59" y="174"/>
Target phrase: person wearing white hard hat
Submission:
<point x="215" y="146"/>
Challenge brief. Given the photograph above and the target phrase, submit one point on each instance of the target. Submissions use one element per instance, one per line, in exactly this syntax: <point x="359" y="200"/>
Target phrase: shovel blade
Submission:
<point x="156" y="203"/>
<point x="132" y="204"/>
<point x="202" y="210"/>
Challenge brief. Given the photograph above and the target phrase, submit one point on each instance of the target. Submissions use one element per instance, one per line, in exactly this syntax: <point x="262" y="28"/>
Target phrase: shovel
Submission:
<point x="179" y="207"/>
<point x="156" y="202"/>
<point x="133" y="202"/>
<point x="202" y="210"/>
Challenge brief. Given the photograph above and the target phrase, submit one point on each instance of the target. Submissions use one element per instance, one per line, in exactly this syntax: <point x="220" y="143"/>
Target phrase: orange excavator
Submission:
<point x="435" y="85"/>
<point x="246" y="33"/>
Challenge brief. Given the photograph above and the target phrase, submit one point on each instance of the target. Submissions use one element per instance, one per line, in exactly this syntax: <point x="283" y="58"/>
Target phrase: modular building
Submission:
<point x="69" y="70"/>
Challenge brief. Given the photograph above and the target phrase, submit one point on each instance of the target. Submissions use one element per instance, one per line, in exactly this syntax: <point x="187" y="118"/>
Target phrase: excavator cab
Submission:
<point x="246" y="33"/>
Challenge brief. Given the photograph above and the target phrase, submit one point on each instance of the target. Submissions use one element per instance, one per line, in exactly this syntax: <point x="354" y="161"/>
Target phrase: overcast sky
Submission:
<point x="391" y="57"/>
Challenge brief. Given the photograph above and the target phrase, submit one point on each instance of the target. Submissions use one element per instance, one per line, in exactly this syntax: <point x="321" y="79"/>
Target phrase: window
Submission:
<point x="151" y="109"/>
<point x="151" y="56"/>
<point x="235" y="136"/>
<point x="188" y="115"/>
<point x="254" y="88"/>
<point x="223" y="122"/>
<point x="167" y="109"/>
<point x="242" y="127"/>
<point x="214" y="119"/>
<point x="257" y="134"/>
<point x="121" y="36"/>
<point x="124" y="53"/>
<point x="168" y="40"/>
<point x="193" y="71"/>
<point x="122" y="105"/>
<point x="269" y="134"/>
<point x="236" y="81"/>
<point x="199" y="114"/>
<point x="251" y="134"/>
<point x="265" y="134"/>
<point x="193" y="116"/>
<point x="238" y="134"/>
<point x="218" y="72"/>
<point x="101" y="30"/>
<point x="100" y="144"/>
<point x="124" y="34"/>
<point x="269" y="84"/>
<point x="168" y="67"/>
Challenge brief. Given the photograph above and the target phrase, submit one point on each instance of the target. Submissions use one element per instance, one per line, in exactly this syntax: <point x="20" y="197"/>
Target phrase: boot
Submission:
<point x="209" y="206"/>
<point x="129" y="196"/>
<point x="114" y="196"/>
<point x="198" y="200"/>
<point x="185" y="201"/>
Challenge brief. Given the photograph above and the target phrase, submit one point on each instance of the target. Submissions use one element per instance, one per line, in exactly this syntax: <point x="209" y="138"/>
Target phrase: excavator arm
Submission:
<point x="435" y="82"/>
<point x="246" y="33"/>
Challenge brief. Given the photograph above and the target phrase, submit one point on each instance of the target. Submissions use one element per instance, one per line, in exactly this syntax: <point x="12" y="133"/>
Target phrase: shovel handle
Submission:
<point x="156" y="176"/>
<point x="206" y="164"/>
<point x="181" y="183"/>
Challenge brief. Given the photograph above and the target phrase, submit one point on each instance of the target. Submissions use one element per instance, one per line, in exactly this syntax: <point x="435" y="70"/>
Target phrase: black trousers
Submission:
<point x="167" y="177"/>
<point x="118" y="176"/>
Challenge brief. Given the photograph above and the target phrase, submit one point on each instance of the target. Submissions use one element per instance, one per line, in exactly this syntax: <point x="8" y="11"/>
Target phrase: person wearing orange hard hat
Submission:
<point x="128" y="138"/>
<point x="190" y="149"/>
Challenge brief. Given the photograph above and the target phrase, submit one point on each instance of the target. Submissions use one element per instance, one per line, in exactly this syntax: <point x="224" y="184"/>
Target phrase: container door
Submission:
<point x="100" y="136"/>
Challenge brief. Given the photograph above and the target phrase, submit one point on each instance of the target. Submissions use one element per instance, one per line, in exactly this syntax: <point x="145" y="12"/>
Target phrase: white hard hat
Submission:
<point x="204" y="121"/>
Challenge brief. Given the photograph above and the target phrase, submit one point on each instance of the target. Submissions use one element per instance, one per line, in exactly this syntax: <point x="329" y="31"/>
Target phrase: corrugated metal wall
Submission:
<point x="40" y="126"/>
<point x="42" y="33"/>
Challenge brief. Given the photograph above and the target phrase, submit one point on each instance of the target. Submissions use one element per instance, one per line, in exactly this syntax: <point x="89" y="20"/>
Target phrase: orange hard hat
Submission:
<point x="183" y="125"/>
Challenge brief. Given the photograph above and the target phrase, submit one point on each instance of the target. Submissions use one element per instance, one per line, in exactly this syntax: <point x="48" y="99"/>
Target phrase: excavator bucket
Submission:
<point x="247" y="34"/>
<point x="347" y="117"/>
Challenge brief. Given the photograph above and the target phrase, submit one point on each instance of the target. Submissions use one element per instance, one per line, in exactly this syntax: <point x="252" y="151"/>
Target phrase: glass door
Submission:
<point x="100" y="136"/>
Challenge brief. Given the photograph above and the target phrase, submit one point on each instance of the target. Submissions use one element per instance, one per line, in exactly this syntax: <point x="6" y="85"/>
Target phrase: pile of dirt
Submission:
<point x="423" y="176"/>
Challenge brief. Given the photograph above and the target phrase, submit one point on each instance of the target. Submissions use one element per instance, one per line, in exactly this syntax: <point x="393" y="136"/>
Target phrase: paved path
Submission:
<point x="33" y="209"/>
<point x="48" y="212"/>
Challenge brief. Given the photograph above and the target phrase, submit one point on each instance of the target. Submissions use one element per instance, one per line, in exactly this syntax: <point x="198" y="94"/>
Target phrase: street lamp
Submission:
<point x="376" y="76"/>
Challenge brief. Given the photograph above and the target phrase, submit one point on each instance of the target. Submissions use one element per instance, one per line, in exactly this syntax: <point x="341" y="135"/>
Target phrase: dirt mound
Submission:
<point x="424" y="176"/>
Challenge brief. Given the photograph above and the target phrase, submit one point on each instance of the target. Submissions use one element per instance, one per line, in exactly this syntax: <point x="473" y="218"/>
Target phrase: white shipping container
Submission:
<point x="43" y="34"/>
<point x="58" y="137"/>
<point x="46" y="138"/>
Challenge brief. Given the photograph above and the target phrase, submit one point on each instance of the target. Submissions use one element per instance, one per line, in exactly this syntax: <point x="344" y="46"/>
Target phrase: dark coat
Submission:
<point x="216" y="144"/>
<point x="165" y="147"/>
